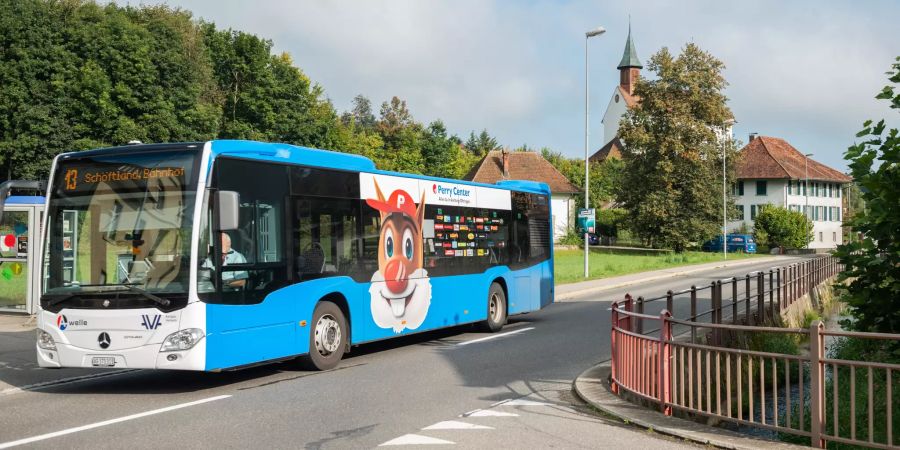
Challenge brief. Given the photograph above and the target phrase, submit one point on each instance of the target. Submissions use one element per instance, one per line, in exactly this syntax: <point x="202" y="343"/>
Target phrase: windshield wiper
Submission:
<point x="158" y="300"/>
<point x="128" y="286"/>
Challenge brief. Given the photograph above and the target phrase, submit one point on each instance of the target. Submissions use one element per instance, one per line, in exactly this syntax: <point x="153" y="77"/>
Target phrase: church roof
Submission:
<point x="774" y="158"/>
<point x="629" y="57"/>
<point x="612" y="149"/>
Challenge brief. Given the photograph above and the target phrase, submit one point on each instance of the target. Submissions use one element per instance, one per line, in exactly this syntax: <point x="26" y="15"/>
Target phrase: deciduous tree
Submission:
<point x="672" y="174"/>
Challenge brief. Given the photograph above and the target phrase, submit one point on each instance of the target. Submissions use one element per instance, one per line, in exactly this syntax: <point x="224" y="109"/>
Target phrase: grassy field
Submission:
<point x="569" y="264"/>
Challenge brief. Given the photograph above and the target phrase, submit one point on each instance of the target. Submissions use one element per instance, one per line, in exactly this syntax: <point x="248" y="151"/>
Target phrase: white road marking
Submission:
<point x="521" y="402"/>
<point x="36" y="386"/>
<point x="108" y="422"/>
<point x="455" y="425"/>
<point x="488" y="413"/>
<point x="415" y="439"/>
<point x="494" y="336"/>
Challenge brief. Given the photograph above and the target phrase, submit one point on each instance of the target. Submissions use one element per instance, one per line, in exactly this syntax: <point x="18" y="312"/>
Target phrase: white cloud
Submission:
<point x="805" y="71"/>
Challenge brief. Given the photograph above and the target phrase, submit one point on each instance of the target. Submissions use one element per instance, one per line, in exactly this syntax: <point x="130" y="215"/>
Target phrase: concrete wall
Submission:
<point x="611" y="117"/>
<point x="562" y="209"/>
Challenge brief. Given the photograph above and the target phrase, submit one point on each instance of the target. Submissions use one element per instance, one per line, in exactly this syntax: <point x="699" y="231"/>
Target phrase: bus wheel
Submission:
<point x="326" y="337"/>
<point x="496" y="317"/>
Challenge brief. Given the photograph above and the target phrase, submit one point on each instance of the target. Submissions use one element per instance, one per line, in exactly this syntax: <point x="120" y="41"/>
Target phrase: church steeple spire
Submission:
<point x="630" y="66"/>
<point x="629" y="57"/>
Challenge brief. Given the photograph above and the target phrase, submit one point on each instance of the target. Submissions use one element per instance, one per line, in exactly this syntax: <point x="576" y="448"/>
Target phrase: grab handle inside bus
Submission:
<point x="228" y="204"/>
<point x="7" y="186"/>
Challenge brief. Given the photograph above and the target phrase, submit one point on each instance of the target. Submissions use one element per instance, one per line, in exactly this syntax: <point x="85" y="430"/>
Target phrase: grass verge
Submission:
<point x="569" y="264"/>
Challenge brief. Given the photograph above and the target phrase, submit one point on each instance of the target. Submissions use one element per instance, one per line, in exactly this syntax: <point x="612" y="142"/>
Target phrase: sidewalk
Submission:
<point x="571" y="290"/>
<point x="11" y="323"/>
<point x="592" y="386"/>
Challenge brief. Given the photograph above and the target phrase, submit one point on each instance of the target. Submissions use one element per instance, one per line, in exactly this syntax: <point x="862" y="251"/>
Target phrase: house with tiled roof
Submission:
<point x="505" y="165"/>
<point x="772" y="171"/>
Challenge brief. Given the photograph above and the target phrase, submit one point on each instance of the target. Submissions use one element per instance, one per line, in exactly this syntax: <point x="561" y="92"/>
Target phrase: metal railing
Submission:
<point x="783" y="393"/>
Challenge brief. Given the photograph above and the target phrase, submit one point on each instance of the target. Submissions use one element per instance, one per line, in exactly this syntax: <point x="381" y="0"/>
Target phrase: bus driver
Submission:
<point x="231" y="280"/>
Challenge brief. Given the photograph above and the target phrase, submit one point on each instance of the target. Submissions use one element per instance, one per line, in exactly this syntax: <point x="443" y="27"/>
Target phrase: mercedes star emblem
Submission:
<point x="104" y="340"/>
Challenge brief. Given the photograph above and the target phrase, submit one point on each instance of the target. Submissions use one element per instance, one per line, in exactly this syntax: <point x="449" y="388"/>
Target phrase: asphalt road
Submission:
<point x="474" y="390"/>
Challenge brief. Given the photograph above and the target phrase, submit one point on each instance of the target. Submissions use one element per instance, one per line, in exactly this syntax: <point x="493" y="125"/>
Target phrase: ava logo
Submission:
<point x="401" y="289"/>
<point x="61" y="322"/>
<point x="71" y="179"/>
<point x="151" y="322"/>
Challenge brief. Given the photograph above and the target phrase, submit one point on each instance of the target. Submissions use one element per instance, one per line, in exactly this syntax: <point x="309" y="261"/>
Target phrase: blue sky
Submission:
<point x="805" y="71"/>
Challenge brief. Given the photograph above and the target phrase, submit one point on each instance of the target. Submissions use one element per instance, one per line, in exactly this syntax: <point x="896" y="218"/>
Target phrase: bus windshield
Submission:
<point x="121" y="223"/>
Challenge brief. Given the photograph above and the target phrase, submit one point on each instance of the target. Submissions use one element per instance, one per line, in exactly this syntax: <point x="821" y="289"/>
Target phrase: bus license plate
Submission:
<point x="103" y="361"/>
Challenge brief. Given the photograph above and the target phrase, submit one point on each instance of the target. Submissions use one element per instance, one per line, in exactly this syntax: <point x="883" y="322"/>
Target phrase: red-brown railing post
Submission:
<point x="747" y="300"/>
<point x="760" y="296"/>
<point x="772" y="293"/>
<point x="640" y="310"/>
<point x="665" y="381"/>
<point x="693" y="313"/>
<point x="670" y="296"/>
<point x="780" y="289"/>
<point x="817" y="384"/>
<point x="734" y="301"/>
<point x="629" y="307"/>
<point x="613" y="385"/>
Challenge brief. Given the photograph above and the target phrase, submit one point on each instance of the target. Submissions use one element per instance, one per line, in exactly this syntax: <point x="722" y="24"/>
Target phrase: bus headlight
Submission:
<point x="45" y="341"/>
<point x="182" y="340"/>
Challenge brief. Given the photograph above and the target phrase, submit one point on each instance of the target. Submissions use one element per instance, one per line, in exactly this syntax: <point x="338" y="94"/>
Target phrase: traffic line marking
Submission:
<point x="415" y="439"/>
<point x="108" y="422"/>
<point x="494" y="336"/>
<point x="520" y="402"/>
<point x="488" y="413"/>
<point x="455" y="425"/>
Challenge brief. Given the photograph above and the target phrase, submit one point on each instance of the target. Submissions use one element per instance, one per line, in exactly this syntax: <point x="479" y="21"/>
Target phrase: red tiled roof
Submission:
<point x="612" y="148"/>
<point x="770" y="157"/>
<point x="522" y="166"/>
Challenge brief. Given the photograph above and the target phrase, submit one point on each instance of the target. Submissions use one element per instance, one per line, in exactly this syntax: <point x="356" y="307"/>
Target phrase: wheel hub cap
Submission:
<point x="328" y="335"/>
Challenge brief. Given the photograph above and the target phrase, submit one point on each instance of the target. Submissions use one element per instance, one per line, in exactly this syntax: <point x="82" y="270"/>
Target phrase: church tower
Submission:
<point x="629" y="67"/>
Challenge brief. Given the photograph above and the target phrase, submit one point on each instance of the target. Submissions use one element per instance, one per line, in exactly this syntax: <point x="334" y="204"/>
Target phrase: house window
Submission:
<point x="821" y="237"/>
<point x="804" y="187"/>
<point x="834" y="236"/>
<point x="790" y="187"/>
<point x="740" y="212"/>
<point x="740" y="188"/>
<point x="752" y="212"/>
<point x="838" y="190"/>
<point x="761" y="187"/>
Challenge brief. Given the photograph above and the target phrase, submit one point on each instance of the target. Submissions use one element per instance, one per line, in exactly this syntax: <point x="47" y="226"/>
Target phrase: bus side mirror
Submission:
<point x="228" y="203"/>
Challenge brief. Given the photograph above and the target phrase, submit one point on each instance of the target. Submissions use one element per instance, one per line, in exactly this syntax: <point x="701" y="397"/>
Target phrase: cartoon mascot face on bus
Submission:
<point x="401" y="290"/>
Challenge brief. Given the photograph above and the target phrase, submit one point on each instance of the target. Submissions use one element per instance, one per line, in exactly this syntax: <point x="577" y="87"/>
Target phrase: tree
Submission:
<point x="780" y="227"/>
<point x="480" y="145"/>
<point x="872" y="265"/>
<point x="361" y="114"/>
<point x="672" y="158"/>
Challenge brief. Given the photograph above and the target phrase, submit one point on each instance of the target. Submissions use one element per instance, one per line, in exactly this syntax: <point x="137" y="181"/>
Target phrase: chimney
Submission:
<point x="505" y="155"/>
<point x="753" y="136"/>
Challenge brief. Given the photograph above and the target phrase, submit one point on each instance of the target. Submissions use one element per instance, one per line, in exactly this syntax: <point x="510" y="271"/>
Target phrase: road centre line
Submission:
<point x="494" y="336"/>
<point x="108" y="422"/>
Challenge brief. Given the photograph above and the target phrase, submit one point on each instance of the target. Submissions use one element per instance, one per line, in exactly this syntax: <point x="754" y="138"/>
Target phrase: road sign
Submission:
<point x="586" y="220"/>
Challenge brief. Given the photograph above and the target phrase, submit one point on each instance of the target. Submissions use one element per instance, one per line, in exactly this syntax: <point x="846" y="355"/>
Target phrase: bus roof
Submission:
<point x="287" y="153"/>
<point x="293" y="154"/>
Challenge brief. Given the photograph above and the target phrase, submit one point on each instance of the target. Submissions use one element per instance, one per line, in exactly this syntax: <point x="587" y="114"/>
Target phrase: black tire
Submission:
<point x="496" y="309"/>
<point x="328" y="336"/>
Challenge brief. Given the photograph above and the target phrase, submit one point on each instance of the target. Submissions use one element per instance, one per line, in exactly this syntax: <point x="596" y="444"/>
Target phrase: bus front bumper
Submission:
<point x="143" y="357"/>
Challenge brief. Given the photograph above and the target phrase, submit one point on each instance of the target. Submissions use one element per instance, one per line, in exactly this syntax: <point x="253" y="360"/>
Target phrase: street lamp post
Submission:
<point x="806" y="189"/>
<point x="595" y="32"/>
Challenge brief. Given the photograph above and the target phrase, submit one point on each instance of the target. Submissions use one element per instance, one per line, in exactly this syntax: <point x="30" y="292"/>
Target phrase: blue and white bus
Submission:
<point x="225" y="254"/>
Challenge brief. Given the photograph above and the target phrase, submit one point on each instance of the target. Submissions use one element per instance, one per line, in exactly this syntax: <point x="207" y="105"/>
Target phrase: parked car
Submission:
<point x="736" y="243"/>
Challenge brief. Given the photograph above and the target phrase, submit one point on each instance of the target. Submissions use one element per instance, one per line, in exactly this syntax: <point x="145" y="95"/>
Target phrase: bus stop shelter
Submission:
<point x="20" y="232"/>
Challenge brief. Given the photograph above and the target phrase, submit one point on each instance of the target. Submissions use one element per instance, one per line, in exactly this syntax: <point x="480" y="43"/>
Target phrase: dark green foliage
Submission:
<point x="776" y="226"/>
<point x="672" y="178"/>
<point x="481" y="144"/>
<point x="872" y="265"/>
<point x="610" y="220"/>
